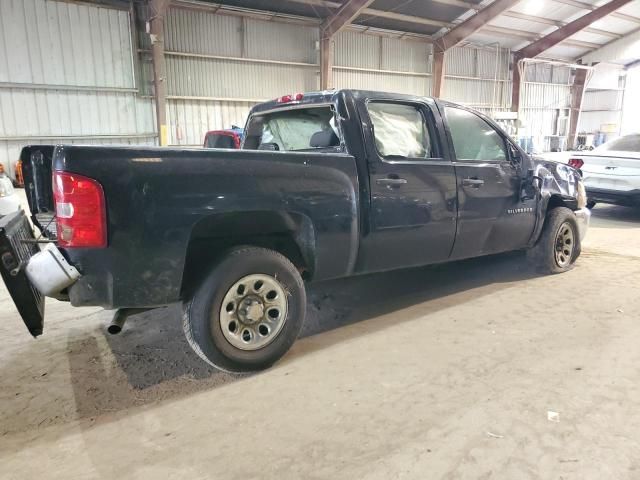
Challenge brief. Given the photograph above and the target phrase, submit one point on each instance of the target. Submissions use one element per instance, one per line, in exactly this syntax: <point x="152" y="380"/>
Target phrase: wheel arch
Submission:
<point x="291" y="234"/>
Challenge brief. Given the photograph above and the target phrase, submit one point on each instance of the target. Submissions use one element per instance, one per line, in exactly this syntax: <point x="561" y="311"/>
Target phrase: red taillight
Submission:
<point x="576" y="162"/>
<point x="81" y="214"/>
<point x="299" y="96"/>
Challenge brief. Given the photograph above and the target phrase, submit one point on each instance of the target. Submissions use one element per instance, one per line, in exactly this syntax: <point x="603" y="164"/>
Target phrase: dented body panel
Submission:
<point x="558" y="183"/>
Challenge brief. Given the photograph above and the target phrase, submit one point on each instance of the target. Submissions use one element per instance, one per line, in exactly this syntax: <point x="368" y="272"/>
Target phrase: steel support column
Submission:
<point x="326" y="63"/>
<point x="577" y="94"/>
<point x="331" y="25"/>
<point x="438" y="72"/>
<point x="158" y="10"/>
<point x="517" y="82"/>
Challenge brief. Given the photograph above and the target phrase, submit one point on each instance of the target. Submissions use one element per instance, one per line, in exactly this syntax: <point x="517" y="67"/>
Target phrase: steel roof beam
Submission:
<point x="571" y="28"/>
<point x="343" y="17"/>
<point x="473" y="24"/>
<point x="510" y="33"/>
<point x="589" y="6"/>
<point x="557" y="23"/>
<point x="372" y="12"/>
<point x="459" y="33"/>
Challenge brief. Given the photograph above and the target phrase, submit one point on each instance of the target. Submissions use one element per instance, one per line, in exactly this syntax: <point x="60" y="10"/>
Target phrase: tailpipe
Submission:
<point x="121" y="315"/>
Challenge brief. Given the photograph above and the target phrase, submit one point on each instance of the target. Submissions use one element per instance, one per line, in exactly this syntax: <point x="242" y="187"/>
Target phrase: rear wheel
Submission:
<point x="248" y="312"/>
<point x="558" y="247"/>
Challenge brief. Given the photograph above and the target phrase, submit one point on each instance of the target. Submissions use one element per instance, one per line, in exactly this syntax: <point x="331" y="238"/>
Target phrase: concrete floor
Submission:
<point x="442" y="372"/>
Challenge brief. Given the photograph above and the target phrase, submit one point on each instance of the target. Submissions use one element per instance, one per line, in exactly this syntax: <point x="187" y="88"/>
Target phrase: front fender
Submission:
<point x="559" y="186"/>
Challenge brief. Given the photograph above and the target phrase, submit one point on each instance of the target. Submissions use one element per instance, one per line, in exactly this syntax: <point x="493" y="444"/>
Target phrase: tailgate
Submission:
<point x="17" y="246"/>
<point x="37" y="169"/>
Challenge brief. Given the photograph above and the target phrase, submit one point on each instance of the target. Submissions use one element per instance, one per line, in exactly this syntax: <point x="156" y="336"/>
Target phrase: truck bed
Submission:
<point x="162" y="200"/>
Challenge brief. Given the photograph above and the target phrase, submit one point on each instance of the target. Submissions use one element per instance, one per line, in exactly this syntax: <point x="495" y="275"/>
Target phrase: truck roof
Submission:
<point x="328" y="96"/>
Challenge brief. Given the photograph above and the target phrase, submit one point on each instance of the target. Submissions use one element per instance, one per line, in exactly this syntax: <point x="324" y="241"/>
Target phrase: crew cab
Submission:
<point x="328" y="184"/>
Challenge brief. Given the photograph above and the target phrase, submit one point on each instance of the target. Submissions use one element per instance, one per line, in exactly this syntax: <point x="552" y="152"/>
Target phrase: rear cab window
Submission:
<point x="305" y="129"/>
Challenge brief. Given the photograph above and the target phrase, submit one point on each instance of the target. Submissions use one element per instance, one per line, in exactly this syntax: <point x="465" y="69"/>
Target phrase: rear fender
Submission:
<point x="290" y="233"/>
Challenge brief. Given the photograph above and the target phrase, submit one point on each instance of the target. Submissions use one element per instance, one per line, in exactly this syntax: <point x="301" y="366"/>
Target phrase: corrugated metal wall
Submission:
<point x="478" y="77"/>
<point x="545" y="98"/>
<point x="220" y="65"/>
<point x="375" y="62"/>
<point x="602" y="103"/>
<point x="81" y="79"/>
<point x="630" y="111"/>
<point x="67" y="74"/>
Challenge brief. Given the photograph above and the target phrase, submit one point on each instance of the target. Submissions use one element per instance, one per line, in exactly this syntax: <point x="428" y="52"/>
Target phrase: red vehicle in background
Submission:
<point x="231" y="138"/>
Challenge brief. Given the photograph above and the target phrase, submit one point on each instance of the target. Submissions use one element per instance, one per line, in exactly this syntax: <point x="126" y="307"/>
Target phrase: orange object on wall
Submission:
<point x="19" y="177"/>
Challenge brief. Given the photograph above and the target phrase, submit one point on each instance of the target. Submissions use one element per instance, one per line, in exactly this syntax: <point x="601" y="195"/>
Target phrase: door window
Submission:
<point x="473" y="138"/>
<point x="400" y="131"/>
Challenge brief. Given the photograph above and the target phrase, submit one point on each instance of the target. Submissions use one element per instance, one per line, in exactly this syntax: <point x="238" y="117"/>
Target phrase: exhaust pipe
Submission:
<point x="121" y="315"/>
<point x="115" y="327"/>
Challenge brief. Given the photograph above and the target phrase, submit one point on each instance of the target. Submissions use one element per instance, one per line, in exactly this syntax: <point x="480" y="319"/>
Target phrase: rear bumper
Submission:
<point x="628" y="198"/>
<point x="583" y="217"/>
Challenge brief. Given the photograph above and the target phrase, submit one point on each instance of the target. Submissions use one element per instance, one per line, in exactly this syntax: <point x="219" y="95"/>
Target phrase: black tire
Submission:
<point x="543" y="254"/>
<point x="591" y="204"/>
<point x="201" y="315"/>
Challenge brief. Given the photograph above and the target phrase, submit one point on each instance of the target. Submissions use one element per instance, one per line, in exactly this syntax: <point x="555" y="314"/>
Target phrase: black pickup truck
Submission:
<point x="327" y="185"/>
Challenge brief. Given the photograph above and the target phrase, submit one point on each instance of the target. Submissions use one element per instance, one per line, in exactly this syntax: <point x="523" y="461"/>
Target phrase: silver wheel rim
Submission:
<point x="564" y="244"/>
<point x="253" y="312"/>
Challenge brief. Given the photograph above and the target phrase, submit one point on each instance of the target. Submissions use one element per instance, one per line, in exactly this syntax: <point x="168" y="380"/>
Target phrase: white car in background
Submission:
<point x="611" y="172"/>
<point x="9" y="201"/>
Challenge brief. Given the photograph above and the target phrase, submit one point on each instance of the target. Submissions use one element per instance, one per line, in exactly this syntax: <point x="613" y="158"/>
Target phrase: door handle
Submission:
<point x="472" y="182"/>
<point x="391" y="182"/>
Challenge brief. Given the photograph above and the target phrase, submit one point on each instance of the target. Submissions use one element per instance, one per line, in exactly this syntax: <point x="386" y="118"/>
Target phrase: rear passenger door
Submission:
<point x="412" y="207"/>
<point x="491" y="216"/>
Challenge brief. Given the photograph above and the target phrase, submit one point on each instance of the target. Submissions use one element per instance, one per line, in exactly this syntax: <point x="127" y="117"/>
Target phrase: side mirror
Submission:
<point x="514" y="154"/>
<point x="530" y="187"/>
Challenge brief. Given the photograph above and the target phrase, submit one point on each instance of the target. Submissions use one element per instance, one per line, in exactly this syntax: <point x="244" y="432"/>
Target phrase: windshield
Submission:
<point x="216" y="140"/>
<point x="294" y="130"/>
<point x="628" y="143"/>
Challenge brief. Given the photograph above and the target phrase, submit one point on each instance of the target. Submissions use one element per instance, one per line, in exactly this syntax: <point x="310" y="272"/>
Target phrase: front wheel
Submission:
<point x="248" y="311"/>
<point x="559" y="246"/>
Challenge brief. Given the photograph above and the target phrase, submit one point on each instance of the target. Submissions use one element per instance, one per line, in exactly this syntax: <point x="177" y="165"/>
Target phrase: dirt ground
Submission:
<point x="479" y="369"/>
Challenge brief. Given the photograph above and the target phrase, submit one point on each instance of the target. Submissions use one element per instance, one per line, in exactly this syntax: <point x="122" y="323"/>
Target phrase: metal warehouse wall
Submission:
<point x="75" y="73"/>
<point x="218" y="65"/>
<point x="630" y="111"/>
<point x="545" y="98"/>
<point x="602" y="103"/>
<point x="67" y="75"/>
<point x="375" y="62"/>
<point x="478" y="77"/>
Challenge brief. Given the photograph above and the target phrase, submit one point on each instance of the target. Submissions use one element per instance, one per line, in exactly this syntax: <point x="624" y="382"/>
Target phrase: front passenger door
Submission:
<point x="491" y="216"/>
